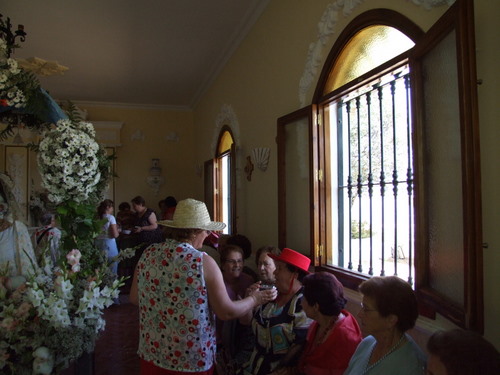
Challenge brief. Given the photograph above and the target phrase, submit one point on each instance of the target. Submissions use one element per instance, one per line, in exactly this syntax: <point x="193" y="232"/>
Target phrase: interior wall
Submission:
<point x="261" y="83"/>
<point x="149" y="133"/>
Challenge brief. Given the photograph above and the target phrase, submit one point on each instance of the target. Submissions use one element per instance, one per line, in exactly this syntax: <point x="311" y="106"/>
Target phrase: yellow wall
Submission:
<point x="134" y="156"/>
<point x="261" y="83"/>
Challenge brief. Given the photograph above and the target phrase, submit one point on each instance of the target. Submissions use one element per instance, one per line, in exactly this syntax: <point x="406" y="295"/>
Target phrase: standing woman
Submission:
<point x="388" y="310"/>
<point x="178" y="289"/>
<point x="106" y="241"/>
<point x="146" y="227"/>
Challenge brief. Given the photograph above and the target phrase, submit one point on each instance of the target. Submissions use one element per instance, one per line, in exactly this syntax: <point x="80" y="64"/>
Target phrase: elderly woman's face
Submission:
<point x="266" y="268"/>
<point x="372" y="323"/>
<point x="233" y="265"/>
<point x="284" y="277"/>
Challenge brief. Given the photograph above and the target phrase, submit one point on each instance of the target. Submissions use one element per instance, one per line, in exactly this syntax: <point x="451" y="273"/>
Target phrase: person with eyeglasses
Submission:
<point x="388" y="310"/>
<point x="179" y="290"/>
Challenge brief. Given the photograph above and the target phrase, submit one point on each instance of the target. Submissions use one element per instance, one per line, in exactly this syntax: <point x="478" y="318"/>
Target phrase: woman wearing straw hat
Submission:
<point x="280" y="326"/>
<point x="178" y="289"/>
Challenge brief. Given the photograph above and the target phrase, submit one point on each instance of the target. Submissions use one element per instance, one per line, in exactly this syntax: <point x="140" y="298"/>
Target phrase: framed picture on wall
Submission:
<point x="17" y="166"/>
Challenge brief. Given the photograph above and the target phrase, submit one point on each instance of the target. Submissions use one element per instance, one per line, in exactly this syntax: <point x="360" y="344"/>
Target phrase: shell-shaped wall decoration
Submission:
<point x="261" y="157"/>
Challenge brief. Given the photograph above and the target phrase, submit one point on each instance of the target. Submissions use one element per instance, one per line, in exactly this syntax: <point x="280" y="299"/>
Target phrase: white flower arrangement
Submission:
<point x="10" y="92"/>
<point x="68" y="161"/>
<point x="48" y="319"/>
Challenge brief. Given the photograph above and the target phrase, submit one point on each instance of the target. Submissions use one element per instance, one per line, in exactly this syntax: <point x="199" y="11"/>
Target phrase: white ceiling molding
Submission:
<point x="326" y="28"/>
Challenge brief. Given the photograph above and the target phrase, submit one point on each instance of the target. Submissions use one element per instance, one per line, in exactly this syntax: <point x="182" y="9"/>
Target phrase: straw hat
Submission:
<point x="192" y="214"/>
<point x="293" y="258"/>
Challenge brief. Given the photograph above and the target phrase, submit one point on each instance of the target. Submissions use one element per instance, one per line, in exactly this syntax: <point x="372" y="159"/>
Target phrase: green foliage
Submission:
<point x="355" y="232"/>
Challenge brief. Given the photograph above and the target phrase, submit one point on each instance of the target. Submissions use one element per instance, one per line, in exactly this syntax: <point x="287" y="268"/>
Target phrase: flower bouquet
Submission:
<point x="53" y="316"/>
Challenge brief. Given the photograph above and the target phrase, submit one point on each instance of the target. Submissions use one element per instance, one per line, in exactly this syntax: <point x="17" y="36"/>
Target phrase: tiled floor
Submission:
<point x="116" y="349"/>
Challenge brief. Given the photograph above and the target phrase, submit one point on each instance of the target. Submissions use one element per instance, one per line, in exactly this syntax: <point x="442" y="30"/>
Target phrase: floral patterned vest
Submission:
<point x="177" y="326"/>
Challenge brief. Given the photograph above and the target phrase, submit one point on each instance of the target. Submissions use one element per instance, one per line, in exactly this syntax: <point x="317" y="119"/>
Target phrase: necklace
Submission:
<point x="369" y="367"/>
<point x="321" y="338"/>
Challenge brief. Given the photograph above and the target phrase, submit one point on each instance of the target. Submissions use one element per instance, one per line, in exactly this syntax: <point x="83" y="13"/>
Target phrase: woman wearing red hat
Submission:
<point x="280" y="326"/>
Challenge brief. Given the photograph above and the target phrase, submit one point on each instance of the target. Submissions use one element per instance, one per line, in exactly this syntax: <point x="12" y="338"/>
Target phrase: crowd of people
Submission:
<point x="203" y="310"/>
<point x="277" y="317"/>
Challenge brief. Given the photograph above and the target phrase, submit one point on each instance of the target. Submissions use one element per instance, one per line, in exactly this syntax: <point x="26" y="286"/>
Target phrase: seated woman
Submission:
<point x="265" y="264"/>
<point x="388" y="310"/>
<point x="461" y="352"/>
<point x="234" y="339"/>
<point x="280" y="326"/>
<point x="334" y="335"/>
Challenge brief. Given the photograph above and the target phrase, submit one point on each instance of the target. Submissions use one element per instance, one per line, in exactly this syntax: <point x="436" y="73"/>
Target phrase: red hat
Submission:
<point x="293" y="258"/>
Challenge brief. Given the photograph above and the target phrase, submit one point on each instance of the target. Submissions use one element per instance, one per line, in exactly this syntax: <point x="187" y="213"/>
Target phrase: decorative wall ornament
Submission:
<point x="227" y="116"/>
<point x="260" y="156"/>
<point x="138" y="135"/>
<point x="249" y="168"/>
<point x="172" y="137"/>
<point x="155" y="180"/>
<point x="326" y="28"/>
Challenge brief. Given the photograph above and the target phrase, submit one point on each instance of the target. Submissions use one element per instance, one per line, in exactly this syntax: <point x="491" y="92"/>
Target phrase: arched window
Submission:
<point x="394" y="160"/>
<point x="220" y="192"/>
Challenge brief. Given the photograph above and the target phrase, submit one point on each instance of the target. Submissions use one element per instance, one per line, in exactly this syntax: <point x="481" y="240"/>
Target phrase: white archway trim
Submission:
<point x="326" y="28"/>
<point x="226" y="116"/>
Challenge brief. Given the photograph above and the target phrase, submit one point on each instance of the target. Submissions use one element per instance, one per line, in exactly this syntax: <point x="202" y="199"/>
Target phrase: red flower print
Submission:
<point x="195" y="322"/>
<point x="156" y="344"/>
<point x="177" y="353"/>
<point x="152" y="302"/>
<point x="156" y="281"/>
<point x="201" y="363"/>
<point x="200" y="301"/>
<point x="190" y="344"/>
<point x="164" y="262"/>
<point x="162" y="325"/>
<point x="177" y="289"/>
<point x="170" y="311"/>
<point x="189" y="280"/>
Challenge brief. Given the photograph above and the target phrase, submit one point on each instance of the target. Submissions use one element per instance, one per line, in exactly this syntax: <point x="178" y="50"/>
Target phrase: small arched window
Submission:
<point x="220" y="192"/>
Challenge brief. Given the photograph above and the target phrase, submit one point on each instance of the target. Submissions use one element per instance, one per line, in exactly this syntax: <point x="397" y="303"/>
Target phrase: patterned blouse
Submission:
<point x="177" y="326"/>
<point x="276" y="329"/>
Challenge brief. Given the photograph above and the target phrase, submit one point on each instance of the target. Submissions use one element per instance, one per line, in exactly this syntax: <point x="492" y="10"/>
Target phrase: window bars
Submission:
<point x="375" y="178"/>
